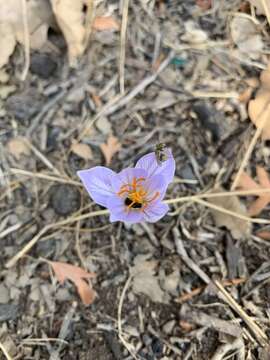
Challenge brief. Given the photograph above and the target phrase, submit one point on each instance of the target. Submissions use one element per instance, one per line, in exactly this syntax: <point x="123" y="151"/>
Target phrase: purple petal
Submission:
<point x="126" y="176"/>
<point x="97" y="182"/>
<point x="155" y="211"/>
<point x="155" y="184"/>
<point x="118" y="211"/>
<point x="166" y="168"/>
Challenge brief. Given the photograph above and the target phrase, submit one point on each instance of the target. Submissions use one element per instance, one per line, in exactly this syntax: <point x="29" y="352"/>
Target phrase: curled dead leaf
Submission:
<point x="71" y="17"/>
<point x="247" y="183"/>
<point x="78" y="276"/>
<point x="110" y="148"/>
<point x="102" y="23"/>
<point x="82" y="150"/>
<point x="239" y="228"/>
<point x="18" y="147"/>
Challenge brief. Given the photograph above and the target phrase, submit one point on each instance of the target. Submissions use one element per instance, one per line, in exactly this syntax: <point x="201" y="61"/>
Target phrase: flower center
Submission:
<point x="136" y="196"/>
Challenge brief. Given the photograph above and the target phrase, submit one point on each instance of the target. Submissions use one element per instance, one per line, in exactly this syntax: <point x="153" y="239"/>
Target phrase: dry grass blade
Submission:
<point x="257" y="331"/>
<point x="232" y="213"/>
<point x="44" y="177"/>
<point x="46" y="228"/>
<point x="4" y="351"/>
<point x="26" y="40"/>
<point x="72" y="219"/>
<point x="123" y="46"/>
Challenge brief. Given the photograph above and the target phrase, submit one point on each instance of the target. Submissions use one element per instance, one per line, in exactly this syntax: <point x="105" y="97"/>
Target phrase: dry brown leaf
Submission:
<point x="78" y="276"/>
<point x="259" y="108"/>
<point x="247" y="183"/>
<point x="71" y="20"/>
<point x="246" y="37"/>
<point x="39" y="17"/>
<point x="110" y="148"/>
<point x="18" y="147"/>
<point x="265" y="235"/>
<point x="259" y="6"/>
<point x="82" y="150"/>
<point x="102" y="23"/>
<point x="238" y="227"/>
<point x="204" y="4"/>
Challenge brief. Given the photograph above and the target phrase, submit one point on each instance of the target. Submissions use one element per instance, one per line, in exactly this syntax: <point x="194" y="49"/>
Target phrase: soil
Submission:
<point x="208" y="134"/>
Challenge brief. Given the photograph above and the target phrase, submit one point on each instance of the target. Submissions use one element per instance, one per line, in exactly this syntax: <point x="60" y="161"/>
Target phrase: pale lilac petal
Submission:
<point x="166" y="168"/>
<point x="126" y="176"/>
<point x="155" y="211"/>
<point x="98" y="182"/>
<point x="156" y="183"/>
<point x="118" y="211"/>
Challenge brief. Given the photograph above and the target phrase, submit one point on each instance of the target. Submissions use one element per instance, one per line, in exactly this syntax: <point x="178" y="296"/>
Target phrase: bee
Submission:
<point x="161" y="152"/>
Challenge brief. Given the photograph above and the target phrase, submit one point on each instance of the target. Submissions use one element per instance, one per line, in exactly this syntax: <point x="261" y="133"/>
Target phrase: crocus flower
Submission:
<point x="135" y="194"/>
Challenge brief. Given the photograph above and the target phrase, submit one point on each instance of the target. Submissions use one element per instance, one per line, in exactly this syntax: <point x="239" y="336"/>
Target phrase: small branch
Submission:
<point x="123" y="46"/>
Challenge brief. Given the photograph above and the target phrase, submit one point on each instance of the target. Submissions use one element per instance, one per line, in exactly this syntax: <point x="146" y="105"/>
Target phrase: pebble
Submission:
<point x="24" y="105"/>
<point x="167" y="328"/>
<point x="4" y="294"/>
<point x="65" y="199"/>
<point x="8" y="312"/>
<point x="42" y="65"/>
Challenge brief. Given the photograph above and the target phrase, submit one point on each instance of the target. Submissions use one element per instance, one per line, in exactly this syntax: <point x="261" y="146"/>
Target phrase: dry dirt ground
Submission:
<point x="155" y="283"/>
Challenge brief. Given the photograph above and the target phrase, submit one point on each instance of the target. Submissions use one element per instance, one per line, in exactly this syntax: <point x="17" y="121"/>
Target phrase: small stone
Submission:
<point x="63" y="294"/>
<point x="103" y="125"/>
<point x="6" y="90"/>
<point x="167" y="328"/>
<point x="46" y="248"/>
<point x="42" y="65"/>
<point x="24" y="105"/>
<point x="65" y="199"/>
<point x="4" y="294"/>
<point x="8" y="312"/>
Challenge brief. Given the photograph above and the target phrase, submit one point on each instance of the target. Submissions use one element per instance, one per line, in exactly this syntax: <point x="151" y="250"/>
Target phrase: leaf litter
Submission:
<point x="239" y="228"/>
<point x="247" y="183"/>
<point x="110" y="148"/>
<point x="78" y="276"/>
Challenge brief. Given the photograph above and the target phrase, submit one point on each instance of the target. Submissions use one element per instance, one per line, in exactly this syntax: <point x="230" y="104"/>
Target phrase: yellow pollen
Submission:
<point x="136" y="193"/>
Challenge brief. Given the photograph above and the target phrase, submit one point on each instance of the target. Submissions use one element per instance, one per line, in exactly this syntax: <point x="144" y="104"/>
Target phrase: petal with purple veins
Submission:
<point x="155" y="184"/>
<point x="155" y="211"/>
<point x="166" y="168"/>
<point x="98" y="183"/>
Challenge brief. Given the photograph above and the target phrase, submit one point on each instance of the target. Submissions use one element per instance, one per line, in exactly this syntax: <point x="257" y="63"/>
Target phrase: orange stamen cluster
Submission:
<point x="136" y="194"/>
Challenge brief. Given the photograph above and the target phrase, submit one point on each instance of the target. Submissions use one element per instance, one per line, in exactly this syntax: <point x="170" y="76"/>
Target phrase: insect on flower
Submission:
<point x="135" y="194"/>
<point x="161" y="152"/>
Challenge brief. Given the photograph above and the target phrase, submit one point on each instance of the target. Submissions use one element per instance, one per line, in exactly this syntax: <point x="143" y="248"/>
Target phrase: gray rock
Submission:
<point x="4" y="294"/>
<point x="8" y="312"/>
<point x="65" y="199"/>
<point x="24" y="105"/>
<point x="42" y="65"/>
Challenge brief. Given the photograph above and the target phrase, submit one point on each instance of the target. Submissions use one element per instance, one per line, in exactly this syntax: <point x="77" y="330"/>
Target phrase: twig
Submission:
<point x="256" y="330"/>
<point x="10" y="229"/>
<point x="63" y="331"/>
<point x="140" y="87"/>
<point x="237" y="345"/>
<point x="44" y="177"/>
<point x="4" y="351"/>
<point x="26" y="40"/>
<point x="89" y="18"/>
<point x="35" y="121"/>
<point x="232" y="213"/>
<point x="119" y="319"/>
<point x="41" y="156"/>
<point x="188" y="296"/>
<point x="266" y="10"/>
<point x="72" y="219"/>
<point x="123" y="46"/>
<point x="35" y="239"/>
<point x="251" y="146"/>
<point x="188" y="261"/>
